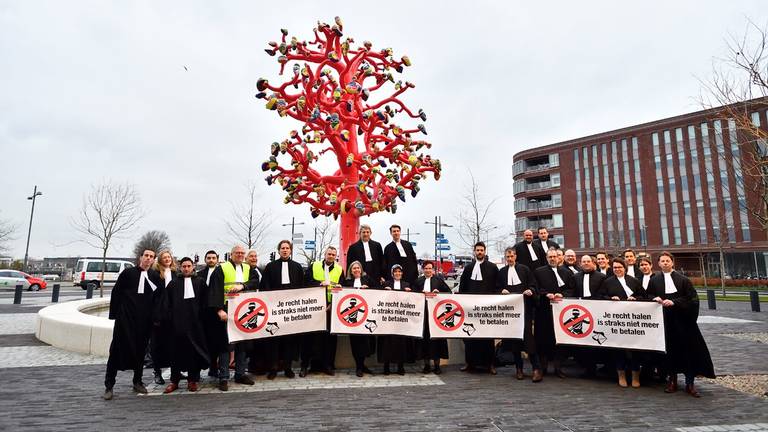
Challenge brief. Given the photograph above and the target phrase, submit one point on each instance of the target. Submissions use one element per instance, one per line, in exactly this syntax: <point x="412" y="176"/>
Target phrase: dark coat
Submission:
<point x="687" y="351"/>
<point x="612" y="287"/>
<point x="527" y="281"/>
<point x="283" y="349"/>
<point x="186" y="316"/>
<point x="479" y="352"/>
<point x="547" y="284"/>
<point x="272" y="277"/>
<point x="134" y="315"/>
<point x="395" y="349"/>
<point x="408" y="263"/>
<point x="218" y="339"/>
<point x="576" y="267"/>
<point x="550" y="244"/>
<point x="375" y="269"/>
<point x="524" y="256"/>
<point x="595" y="286"/>
<point x="430" y="349"/>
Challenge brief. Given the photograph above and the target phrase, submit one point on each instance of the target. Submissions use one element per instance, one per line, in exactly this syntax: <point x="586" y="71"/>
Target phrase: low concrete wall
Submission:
<point x="69" y="326"/>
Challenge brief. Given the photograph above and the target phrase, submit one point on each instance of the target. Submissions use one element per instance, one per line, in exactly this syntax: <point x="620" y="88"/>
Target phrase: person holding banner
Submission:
<point x="256" y="347"/>
<point x="283" y="273"/>
<point x="646" y="271"/>
<point x="620" y="287"/>
<point x="160" y="340"/>
<point x="588" y="284"/>
<point x="479" y="277"/>
<point x="320" y="347"/>
<point x="362" y="345"/>
<point x="551" y="281"/>
<point x="230" y="277"/>
<point x="516" y="278"/>
<point x="184" y="305"/>
<point x="392" y="348"/>
<point x="210" y="318"/>
<point x="433" y="349"/>
<point x="687" y="351"/>
<point x="401" y="253"/>
<point x="368" y="253"/>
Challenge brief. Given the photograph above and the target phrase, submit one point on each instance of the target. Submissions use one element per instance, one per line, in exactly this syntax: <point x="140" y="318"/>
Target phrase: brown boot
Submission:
<point x="635" y="379"/>
<point x="519" y="374"/>
<point x="622" y="378"/>
<point x="537" y="375"/>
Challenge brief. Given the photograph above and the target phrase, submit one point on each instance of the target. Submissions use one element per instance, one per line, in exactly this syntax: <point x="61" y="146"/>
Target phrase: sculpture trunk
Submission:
<point x="348" y="232"/>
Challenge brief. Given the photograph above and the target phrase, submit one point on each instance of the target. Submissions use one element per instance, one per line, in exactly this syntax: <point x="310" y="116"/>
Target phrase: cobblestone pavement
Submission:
<point x="44" y="388"/>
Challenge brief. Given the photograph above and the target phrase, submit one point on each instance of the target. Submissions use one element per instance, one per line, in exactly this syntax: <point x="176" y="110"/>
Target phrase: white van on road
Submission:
<point x="88" y="271"/>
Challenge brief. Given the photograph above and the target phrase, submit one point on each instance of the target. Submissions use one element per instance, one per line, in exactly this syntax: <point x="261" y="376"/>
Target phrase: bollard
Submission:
<point x="754" y="298"/>
<point x="55" y="293"/>
<point x="17" y="294"/>
<point x="89" y="290"/>
<point x="711" y="299"/>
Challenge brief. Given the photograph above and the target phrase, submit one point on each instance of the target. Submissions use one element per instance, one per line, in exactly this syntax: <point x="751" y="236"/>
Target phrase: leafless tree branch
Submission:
<point x="248" y="224"/>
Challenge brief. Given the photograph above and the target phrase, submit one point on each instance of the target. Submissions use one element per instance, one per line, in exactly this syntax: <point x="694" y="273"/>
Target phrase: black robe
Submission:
<point x="636" y="269"/>
<point x="571" y="268"/>
<point x="550" y="244"/>
<point x="134" y="315"/>
<point x="282" y="348"/>
<point x="431" y="349"/>
<point x="186" y="318"/>
<point x="547" y="284"/>
<point x="612" y="287"/>
<point x="375" y="268"/>
<point x="219" y="339"/>
<point x="392" y="348"/>
<point x="687" y="351"/>
<point x="479" y="352"/>
<point x="576" y="290"/>
<point x="524" y="255"/>
<point x="210" y="318"/>
<point x="318" y="349"/>
<point x="527" y="281"/>
<point x="160" y="340"/>
<point x="362" y="345"/>
<point x="408" y="262"/>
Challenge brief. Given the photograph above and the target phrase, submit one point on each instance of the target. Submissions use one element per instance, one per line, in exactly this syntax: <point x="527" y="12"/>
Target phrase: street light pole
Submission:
<point x="438" y="225"/>
<point x="408" y="234"/>
<point x="34" y="196"/>
<point x="293" y="228"/>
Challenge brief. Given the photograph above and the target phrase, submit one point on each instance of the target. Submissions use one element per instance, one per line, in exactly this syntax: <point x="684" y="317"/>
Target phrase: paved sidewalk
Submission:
<point x="48" y="389"/>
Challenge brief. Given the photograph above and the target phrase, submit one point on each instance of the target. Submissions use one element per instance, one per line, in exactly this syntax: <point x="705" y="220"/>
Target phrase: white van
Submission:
<point x="88" y="270"/>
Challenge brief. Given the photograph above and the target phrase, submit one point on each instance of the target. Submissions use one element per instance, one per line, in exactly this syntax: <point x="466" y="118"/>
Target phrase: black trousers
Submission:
<point x="111" y="375"/>
<point x="193" y="375"/>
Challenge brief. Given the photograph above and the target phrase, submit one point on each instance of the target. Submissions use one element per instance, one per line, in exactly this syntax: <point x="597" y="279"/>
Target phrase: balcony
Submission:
<point x="538" y="167"/>
<point x="537" y="185"/>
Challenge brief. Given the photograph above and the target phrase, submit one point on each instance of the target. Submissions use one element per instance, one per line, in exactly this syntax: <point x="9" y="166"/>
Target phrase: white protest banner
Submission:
<point x="261" y="314"/>
<point x="476" y="316"/>
<point x="381" y="312"/>
<point x="606" y="323"/>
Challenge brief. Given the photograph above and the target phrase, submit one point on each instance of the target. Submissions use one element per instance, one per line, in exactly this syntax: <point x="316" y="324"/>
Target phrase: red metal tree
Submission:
<point x="374" y="160"/>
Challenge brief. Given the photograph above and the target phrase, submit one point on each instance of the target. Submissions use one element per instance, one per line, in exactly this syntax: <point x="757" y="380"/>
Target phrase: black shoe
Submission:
<point x="400" y="370"/>
<point x="224" y="385"/>
<point x="108" y="394"/>
<point x="329" y="371"/>
<point x="183" y="377"/>
<point x="359" y="373"/>
<point x="560" y="374"/>
<point x="289" y="373"/>
<point x="437" y="370"/>
<point x="139" y="388"/>
<point x="245" y="379"/>
<point x="386" y="370"/>
<point x="302" y="372"/>
<point x="159" y="379"/>
<point x="213" y="373"/>
<point x="271" y="375"/>
<point x="426" y="369"/>
<point x="368" y="371"/>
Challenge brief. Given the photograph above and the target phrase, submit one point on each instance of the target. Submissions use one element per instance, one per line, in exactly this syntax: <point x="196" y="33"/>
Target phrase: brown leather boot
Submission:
<point x="635" y="379"/>
<point x="622" y="378"/>
<point x="537" y="375"/>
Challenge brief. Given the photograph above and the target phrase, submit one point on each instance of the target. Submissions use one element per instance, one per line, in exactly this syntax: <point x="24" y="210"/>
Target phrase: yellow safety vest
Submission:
<point x="318" y="274"/>
<point x="229" y="276"/>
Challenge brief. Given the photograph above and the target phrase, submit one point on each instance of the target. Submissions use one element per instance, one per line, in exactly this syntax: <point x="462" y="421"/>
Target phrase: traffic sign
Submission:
<point x="439" y="235"/>
<point x="442" y="241"/>
<point x="444" y="247"/>
<point x="309" y="246"/>
<point x="308" y="242"/>
<point x="298" y="236"/>
<point x="412" y="243"/>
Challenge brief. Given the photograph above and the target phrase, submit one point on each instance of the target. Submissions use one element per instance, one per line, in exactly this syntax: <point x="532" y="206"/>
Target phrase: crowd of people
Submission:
<point x="177" y="314"/>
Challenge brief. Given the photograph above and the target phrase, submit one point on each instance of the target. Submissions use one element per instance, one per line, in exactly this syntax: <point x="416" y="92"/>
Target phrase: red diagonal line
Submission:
<point x="344" y="315"/>
<point x="450" y="314"/>
<point x="576" y="321"/>
<point x="247" y="317"/>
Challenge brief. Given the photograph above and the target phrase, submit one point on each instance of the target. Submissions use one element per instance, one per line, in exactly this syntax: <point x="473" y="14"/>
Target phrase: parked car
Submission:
<point x="88" y="271"/>
<point x="11" y="278"/>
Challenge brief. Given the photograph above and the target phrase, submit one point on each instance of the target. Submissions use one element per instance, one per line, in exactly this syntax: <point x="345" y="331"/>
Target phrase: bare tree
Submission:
<point x="325" y="235"/>
<point x="738" y="88"/>
<point x="248" y="224"/>
<point x="474" y="221"/>
<point x="109" y="211"/>
<point x="154" y="240"/>
<point x="7" y="233"/>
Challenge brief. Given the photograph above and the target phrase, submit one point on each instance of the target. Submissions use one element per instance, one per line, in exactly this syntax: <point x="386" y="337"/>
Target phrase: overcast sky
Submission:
<point x="93" y="91"/>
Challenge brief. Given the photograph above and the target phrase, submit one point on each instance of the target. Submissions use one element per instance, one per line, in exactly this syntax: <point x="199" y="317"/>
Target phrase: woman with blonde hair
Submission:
<point x="160" y="340"/>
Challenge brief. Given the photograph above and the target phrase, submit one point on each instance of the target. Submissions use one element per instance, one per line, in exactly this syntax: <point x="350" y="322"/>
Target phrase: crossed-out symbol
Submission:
<point x="446" y="313"/>
<point x="350" y="316"/>
<point x="573" y="325"/>
<point x="253" y="319"/>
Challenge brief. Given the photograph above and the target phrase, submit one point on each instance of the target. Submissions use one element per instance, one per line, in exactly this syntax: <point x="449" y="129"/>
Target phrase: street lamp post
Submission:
<point x="438" y="223"/>
<point x="34" y="196"/>
<point x="408" y="234"/>
<point x="293" y="230"/>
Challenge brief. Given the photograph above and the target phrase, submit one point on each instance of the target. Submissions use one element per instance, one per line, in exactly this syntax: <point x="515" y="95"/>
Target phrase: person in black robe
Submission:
<point x="132" y="306"/>
<point x="652" y="363"/>
<point x="160" y="340"/>
<point x="588" y="285"/>
<point x="401" y="252"/>
<point x="283" y="273"/>
<point x="428" y="348"/>
<point x="623" y="287"/>
<point x="210" y="318"/>
<point x="630" y="259"/>
<point x="551" y="281"/>
<point x="570" y="261"/>
<point x="218" y="291"/>
<point x="687" y="351"/>
<point x="394" y="348"/>
<point x="529" y="253"/>
<point x="184" y="305"/>
<point x="368" y="253"/>
<point x="603" y="263"/>
<point x="479" y="277"/>
<point x="516" y="278"/>
<point x="255" y="347"/>
<point x="543" y="240"/>
<point x="318" y="349"/>
<point x="362" y="345"/>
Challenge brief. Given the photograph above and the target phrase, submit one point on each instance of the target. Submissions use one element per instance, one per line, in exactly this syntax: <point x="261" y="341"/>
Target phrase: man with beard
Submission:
<point x="551" y="281"/>
<point x="479" y="277"/>
<point x="132" y="305"/>
<point x="530" y="253"/>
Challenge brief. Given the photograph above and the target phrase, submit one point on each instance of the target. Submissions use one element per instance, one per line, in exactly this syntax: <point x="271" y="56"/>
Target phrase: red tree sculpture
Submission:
<point x="330" y="93"/>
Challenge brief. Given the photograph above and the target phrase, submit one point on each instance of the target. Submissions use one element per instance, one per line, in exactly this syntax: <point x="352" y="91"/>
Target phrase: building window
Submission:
<point x="555" y="179"/>
<point x="554" y="160"/>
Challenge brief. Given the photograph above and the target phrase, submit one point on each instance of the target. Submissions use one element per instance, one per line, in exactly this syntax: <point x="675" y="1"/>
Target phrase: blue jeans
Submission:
<point x="241" y="362"/>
